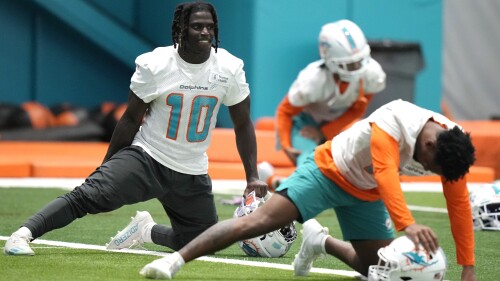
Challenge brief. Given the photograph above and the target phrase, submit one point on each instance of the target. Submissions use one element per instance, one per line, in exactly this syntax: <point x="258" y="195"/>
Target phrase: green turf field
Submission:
<point x="59" y="263"/>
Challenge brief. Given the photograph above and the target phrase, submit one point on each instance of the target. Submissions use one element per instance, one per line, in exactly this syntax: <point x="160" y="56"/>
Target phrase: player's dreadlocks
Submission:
<point x="454" y="153"/>
<point x="180" y="23"/>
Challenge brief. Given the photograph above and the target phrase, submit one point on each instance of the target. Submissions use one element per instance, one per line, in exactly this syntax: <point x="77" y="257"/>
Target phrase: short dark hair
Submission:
<point x="454" y="153"/>
<point x="181" y="21"/>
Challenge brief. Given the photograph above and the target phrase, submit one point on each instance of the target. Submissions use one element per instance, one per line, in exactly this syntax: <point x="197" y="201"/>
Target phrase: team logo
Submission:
<point x="421" y="260"/>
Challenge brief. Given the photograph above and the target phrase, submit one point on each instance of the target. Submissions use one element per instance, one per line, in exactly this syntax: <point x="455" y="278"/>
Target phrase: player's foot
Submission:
<point x="17" y="245"/>
<point x="164" y="268"/>
<point x="266" y="174"/>
<point x="313" y="245"/>
<point x="132" y="236"/>
<point x="265" y="170"/>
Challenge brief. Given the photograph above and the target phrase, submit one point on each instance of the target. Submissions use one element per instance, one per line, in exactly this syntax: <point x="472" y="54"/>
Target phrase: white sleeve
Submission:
<point x="374" y="77"/>
<point x="142" y="82"/>
<point x="239" y="89"/>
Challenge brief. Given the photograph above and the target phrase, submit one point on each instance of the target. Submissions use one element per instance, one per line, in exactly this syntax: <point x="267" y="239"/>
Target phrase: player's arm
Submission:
<point x="247" y="146"/>
<point x="385" y="160"/>
<point x="284" y="121"/>
<point x="459" y="212"/>
<point x="128" y="125"/>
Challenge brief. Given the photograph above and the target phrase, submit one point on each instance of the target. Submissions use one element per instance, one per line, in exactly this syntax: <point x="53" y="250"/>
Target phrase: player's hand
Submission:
<point x="312" y="133"/>
<point x="468" y="273"/>
<point x="424" y="235"/>
<point x="259" y="186"/>
<point x="292" y="154"/>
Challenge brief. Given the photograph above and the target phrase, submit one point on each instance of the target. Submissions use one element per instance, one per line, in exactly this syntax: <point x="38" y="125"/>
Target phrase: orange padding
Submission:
<point x="223" y="148"/>
<point x="79" y="159"/>
<point x="265" y="123"/>
<point x="476" y="174"/>
<point x="486" y="138"/>
<point x="50" y="159"/>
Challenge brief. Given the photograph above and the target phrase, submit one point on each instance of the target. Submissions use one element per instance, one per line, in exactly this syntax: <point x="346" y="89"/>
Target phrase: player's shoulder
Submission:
<point x="157" y="57"/>
<point x="226" y="62"/>
<point x="315" y="70"/>
<point x="315" y="67"/>
<point x="373" y="64"/>
<point x="225" y="57"/>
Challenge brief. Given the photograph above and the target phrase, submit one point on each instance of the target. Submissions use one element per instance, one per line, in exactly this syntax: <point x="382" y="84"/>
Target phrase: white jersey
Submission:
<point x="316" y="89"/>
<point x="184" y="100"/>
<point x="401" y="120"/>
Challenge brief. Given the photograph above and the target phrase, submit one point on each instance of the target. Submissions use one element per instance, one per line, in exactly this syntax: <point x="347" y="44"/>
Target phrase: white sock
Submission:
<point x="146" y="235"/>
<point x="178" y="259"/>
<point x="323" y="244"/>
<point x="24" y="232"/>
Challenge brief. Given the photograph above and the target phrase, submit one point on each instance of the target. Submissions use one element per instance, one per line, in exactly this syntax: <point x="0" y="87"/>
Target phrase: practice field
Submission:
<point x="85" y="258"/>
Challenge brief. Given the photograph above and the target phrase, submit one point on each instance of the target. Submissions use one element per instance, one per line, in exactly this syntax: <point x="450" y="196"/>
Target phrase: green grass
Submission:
<point x="52" y="263"/>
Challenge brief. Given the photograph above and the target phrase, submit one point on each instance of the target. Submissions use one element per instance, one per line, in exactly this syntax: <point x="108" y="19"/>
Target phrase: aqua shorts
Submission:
<point x="313" y="193"/>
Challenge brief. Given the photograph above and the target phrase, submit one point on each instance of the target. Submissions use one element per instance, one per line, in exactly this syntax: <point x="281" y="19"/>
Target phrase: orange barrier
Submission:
<point x="486" y="138"/>
<point x="50" y="159"/>
<point x="79" y="159"/>
<point x="265" y="123"/>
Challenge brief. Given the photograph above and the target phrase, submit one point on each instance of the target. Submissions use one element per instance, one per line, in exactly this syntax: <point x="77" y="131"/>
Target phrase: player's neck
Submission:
<point x="193" y="58"/>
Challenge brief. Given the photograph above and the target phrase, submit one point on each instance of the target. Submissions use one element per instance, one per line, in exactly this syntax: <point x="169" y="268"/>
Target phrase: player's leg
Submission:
<point x="276" y="213"/>
<point x="109" y="187"/>
<point x="368" y="227"/>
<point x="359" y="220"/>
<point x="280" y="210"/>
<point x="190" y="205"/>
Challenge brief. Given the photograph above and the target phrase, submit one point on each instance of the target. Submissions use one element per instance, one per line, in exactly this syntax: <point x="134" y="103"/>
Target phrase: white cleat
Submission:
<point x="313" y="245"/>
<point x="17" y="245"/>
<point x="265" y="170"/>
<point x="132" y="235"/>
<point x="164" y="268"/>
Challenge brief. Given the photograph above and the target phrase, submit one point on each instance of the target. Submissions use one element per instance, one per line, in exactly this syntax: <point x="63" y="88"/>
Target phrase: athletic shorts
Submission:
<point x="313" y="193"/>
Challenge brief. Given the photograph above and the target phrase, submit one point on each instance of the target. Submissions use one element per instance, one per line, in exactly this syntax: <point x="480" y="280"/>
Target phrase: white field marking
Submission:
<point x="204" y="258"/>
<point x="232" y="187"/>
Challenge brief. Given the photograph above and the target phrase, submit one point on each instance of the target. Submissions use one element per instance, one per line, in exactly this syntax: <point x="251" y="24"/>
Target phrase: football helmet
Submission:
<point x="270" y="245"/>
<point x="402" y="260"/>
<point x="485" y="205"/>
<point x="343" y="47"/>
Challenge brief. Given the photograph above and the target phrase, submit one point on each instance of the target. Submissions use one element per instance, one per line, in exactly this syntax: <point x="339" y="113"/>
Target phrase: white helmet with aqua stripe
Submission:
<point x="343" y="47"/>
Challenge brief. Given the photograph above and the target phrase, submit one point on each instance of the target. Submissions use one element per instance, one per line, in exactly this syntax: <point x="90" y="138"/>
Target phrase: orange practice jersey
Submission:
<point x="367" y="159"/>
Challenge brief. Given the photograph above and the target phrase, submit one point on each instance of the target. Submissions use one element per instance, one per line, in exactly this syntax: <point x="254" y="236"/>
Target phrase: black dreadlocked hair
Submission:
<point x="180" y="23"/>
<point x="454" y="153"/>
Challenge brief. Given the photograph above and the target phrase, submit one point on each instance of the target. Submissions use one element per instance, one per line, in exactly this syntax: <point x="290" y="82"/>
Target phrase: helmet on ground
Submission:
<point x="403" y="261"/>
<point x="343" y="47"/>
<point x="485" y="205"/>
<point x="270" y="245"/>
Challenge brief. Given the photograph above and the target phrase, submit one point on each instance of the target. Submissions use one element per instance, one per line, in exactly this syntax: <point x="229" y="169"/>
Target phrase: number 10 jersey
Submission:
<point x="184" y="100"/>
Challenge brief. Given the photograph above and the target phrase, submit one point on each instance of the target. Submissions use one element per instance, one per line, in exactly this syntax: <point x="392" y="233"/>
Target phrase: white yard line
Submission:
<point x="204" y="258"/>
<point x="235" y="187"/>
